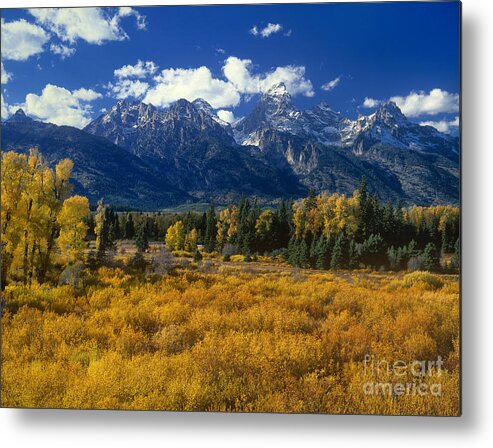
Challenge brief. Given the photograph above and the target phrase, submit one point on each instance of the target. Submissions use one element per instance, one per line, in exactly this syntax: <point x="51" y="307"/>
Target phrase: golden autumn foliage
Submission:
<point x="280" y="341"/>
<point x="175" y="237"/>
<point x="326" y="214"/>
<point x="73" y="229"/>
<point x="35" y="207"/>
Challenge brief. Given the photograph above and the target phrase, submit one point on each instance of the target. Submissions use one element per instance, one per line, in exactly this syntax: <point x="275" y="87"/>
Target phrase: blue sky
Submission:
<point x="65" y="66"/>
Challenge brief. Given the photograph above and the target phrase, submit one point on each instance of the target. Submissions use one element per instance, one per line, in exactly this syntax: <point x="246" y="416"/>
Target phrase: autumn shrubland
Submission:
<point x="229" y="341"/>
<point x="302" y="309"/>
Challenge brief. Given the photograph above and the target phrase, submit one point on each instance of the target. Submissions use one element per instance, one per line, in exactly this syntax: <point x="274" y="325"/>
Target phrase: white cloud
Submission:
<point x="5" y="75"/>
<point x="267" y="31"/>
<point x="4" y="112"/>
<point x="139" y="70"/>
<point x="442" y="125"/>
<point x="227" y="116"/>
<point x="62" y="50"/>
<point x="86" y="94"/>
<point x="173" y="84"/>
<point x="126" y="11"/>
<point x="60" y="106"/>
<point x="125" y="88"/>
<point x="21" y="39"/>
<point x="422" y="103"/>
<point x="328" y="86"/>
<point x="371" y="103"/>
<point x="238" y="73"/>
<point x="220" y="50"/>
<point x="93" y="25"/>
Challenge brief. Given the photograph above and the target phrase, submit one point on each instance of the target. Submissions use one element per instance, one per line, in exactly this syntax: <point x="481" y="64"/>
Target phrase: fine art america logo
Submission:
<point x="400" y="378"/>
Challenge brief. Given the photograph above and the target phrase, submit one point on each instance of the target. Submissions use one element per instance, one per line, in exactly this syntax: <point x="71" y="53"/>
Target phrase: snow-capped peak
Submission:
<point x="279" y="89"/>
<point x="391" y="114"/>
<point x="203" y="105"/>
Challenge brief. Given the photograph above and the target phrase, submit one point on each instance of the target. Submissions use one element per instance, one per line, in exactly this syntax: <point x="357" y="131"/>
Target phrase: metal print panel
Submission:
<point x="239" y="208"/>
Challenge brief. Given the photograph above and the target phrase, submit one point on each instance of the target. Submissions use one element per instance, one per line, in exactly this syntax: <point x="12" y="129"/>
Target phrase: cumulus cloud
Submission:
<point x="62" y="50"/>
<point x="5" y="75"/>
<point x="60" y="106"/>
<point x="93" y="25"/>
<point x="227" y="116"/>
<point x="267" y="31"/>
<point x="173" y="84"/>
<point x="239" y="73"/>
<point x="86" y="94"/>
<point x="443" y="125"/>
<point x="139" y="70"/>
<point x="21" y="39"/>
<point x="125" y="88"/>
<point x="328" y="86"/>
<point x="371" y="103"/>
<point x="421" y="103"/>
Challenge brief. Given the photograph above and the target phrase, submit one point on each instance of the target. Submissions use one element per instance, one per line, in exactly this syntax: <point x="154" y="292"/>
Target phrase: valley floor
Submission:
<point x="247" y="337"/>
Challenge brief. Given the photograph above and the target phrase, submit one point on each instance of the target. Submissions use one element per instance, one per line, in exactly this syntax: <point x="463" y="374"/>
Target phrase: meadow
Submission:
<point x="215" y="336"/>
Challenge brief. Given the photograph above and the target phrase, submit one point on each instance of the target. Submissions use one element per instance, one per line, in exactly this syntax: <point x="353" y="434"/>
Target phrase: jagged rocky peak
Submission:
<point x="198" y="113"/>
<point x="274" y="111"/>
<point x="19" y="117"/>
<point x="324" y="107"/>
<point x="203" y="106"/>
<point x="278" y="100"/>
<point x="182" y="108"/>
<point x="323" y="114"/>
<point x="131" y="113"/>
<point x="390" y="114"/>
<point x="278" y="89"/>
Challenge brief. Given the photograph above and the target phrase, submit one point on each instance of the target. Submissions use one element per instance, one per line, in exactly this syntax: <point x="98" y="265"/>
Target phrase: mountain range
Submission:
<point x="138" y="156"/>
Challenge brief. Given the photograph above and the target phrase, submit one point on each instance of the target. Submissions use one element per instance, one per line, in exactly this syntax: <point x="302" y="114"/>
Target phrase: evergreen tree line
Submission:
<point x="320" y="232"/>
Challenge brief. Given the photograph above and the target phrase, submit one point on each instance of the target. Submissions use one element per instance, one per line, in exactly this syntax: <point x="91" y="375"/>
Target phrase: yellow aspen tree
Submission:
<point x="170" y="238"/>
<point x="14" y="169"/>
<point x="263" y="226"/>
<point x="180" y="235"/>
<point x="191" y="240"/>
<point x="32" y="196"/>
<point x="73" y="228"/>
<point x="100" y="228"/>
<point x="57" y="188"/>
<point x="175" y="236"/>
<point x="227" y="225"/>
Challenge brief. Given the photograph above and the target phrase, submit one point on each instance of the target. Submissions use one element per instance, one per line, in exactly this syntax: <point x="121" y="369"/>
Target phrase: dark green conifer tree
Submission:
<point x="322" y="255"/>
<point x="129" y="227"/>
<point x="303" y="254"/>
<point x="141" y="241"/>
<point x="339" y="253"/>
<point x="210" y="229"/>
<point x="431" y="258"/>
<point x="197" y="256"/>
<point x="353" y="255"/>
